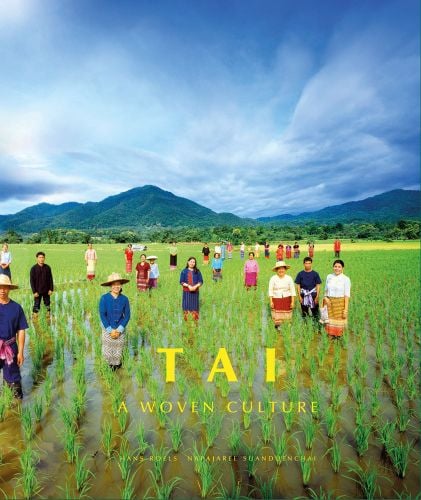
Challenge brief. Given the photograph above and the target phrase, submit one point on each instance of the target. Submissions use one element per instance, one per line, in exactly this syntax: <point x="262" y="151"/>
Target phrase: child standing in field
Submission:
<point x="154" y="272"/>
<point x="217" y="264"/>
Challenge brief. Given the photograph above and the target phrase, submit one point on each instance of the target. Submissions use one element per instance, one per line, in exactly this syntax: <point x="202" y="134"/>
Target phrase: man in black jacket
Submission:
<point x="41" y="283"/>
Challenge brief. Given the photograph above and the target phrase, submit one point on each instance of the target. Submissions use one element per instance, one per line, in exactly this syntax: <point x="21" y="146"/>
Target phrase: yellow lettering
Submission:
<point x="122" y="407"/>
<point x="270" y="364"/>
<point x="226" y="367"/>
<point x="170" y="353"/>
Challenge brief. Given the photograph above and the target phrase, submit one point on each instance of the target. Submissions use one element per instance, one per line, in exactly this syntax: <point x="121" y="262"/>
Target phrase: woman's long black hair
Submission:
<point x="195" y="269"/>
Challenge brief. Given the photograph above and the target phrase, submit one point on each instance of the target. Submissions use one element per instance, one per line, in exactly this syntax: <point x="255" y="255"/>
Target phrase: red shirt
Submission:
<point x="142" y="271"/>
<point x="337" y="245"/>
<point x="129" y="254"/>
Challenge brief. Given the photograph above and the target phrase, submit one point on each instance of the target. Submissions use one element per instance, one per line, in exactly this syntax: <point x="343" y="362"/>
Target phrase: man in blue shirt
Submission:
<point x="12" y="337"/>
<point x="308" y="289"/>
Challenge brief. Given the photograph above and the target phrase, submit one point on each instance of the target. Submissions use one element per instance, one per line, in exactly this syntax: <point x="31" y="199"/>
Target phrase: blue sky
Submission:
<point x="251" y="107"/>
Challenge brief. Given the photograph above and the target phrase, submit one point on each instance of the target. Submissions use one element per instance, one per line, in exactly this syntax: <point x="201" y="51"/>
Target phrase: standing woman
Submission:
<point x="311" y="249"/>
<point x="267" y="250"/>
<point x="128" y="257"/>
<point x="90" y="259"/>
<point x="114" y="311"/>
<point x="288" y="251"/>
<point x="229" y="250"/>
<point x="143" y="270"/>
<point x="242" y="250"/>
<point x="281" y="294"/>
<point x="5" y="261"/>
<point x="154" y="272"/>
<point x="191" y="280"/>
<point x="173" y="256"/>
<point x="217" y="264"/>
<point x="251" y="272"/>
<point x="280" y="252"/>
<point x="336" y="299"/>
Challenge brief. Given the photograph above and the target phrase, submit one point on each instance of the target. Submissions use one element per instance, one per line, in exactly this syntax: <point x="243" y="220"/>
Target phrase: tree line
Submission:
<point x="401" y="230"/>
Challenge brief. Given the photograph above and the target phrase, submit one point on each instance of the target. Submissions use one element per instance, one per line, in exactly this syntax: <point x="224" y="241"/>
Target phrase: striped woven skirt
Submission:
<point x="142" y="284"/>
<point x="173" y="261"/>
<point x="90" y="269"/>
<point x="217" y="274"/>
<point x="112" y="349"/>
<point x="336" y="324"/>
<point x="250" y="279"/>
<point x="153" y="282"/>
<point x="190" y="304"/>
<point x="281" y="311"/>
<point x="129" y="266"/>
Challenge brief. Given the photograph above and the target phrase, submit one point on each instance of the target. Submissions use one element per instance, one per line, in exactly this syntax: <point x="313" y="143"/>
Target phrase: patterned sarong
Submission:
<point x="129" y="266"/>
<point x="142" y="284"/>
<point x="281" y="311"/>
<point x="336" y="323"/>
<point x="90" y="269"/>
<point x="217" y="274"/>
<point x="250" y="279"/>
<point x="173" y="261"/>
<point x="112" y="349"/>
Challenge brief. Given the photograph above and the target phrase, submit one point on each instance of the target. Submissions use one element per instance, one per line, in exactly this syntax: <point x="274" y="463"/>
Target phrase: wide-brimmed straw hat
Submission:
<point x="113" y="277"/>
<point x="151" y="257"/>
<point x="279" y="264"/>
<point x="5" y="281"/>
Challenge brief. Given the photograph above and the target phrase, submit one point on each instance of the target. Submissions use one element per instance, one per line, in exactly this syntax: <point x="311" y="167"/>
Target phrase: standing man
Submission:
<point x="42" y="284"/>
<point x="308" y="289"/>
<point x="12" y="337"/>
<point x="337" y="248"/>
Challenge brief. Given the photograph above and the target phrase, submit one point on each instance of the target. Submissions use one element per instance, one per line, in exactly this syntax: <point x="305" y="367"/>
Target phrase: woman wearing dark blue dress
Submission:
<point x="191" y="280"/>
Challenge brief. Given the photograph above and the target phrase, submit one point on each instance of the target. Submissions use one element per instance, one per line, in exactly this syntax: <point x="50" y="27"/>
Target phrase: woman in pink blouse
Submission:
<point x="251" y="271"/>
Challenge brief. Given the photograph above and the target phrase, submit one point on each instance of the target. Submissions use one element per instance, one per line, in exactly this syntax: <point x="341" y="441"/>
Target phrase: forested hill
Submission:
<point x="392" y="206"/>
<point x="133" y="209"/>
<point x="150" y="206"/>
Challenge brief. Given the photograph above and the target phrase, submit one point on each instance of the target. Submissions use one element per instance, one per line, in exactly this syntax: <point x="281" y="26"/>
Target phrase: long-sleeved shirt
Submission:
<point x="251" y="266"/>
<point x="281" y="287"/>
<point x="114" y="312"/>
<point x="41" y="279"/>
<point x="217" y="263"/>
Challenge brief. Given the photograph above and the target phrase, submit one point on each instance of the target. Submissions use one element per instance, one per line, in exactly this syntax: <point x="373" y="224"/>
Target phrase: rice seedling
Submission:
<point x="309" y="428"/>
<point x="122" y="420"/>
<point x="82" y="474"/>
<point x="38" y="407"/>
<point x="266" y="428"/>
<point x="288" y="420"/>
<point x="199" y="455"/>
<point x="386" y="433"/>
<point x="234" y="438"/>
<point x="107" y="438"/>
<point x="70" y="444"/>
<point x="213" y="428"/>
<point x="280" y="446"/>
<point x="206" y="479"/>
<point x="142" y="444"/>
<point x="160" y="455"/>
<point x="411" y="386"/>
<point x="246" y="420"/>
<point x="124" y="459"/>
<point x="163" y="490"/>
<point x="331" y="420"/>
<point x="128" y="491"/>
<point x="335" y="456"/>
<point x="28" y="477"/>
<point x="27" y="423"/>
<point x="322" y="494"/>
<point x="266" y="489"/>
<point x="176" y="433"/>
<point x="161" y="415"/>
<point x="251" y="454"/>
<point x="306" y="466"/>
<point x="403" y="418"/>
<point x="234" y="493"/>
<point x="366" y="479"/>
<point x="399" y="455"/>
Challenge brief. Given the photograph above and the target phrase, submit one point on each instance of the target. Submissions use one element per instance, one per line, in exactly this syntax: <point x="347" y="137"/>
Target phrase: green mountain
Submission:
<point x="133" y="209"/>
<point x="386" y="207"/>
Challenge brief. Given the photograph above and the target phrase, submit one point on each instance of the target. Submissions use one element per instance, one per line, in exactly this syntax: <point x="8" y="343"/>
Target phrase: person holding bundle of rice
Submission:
<point x="281" y="294"/>
<point x="336" y="300"/>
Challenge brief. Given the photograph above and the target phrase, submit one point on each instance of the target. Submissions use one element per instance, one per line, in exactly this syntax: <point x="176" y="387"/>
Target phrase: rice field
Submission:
<point x="193" y="438"/>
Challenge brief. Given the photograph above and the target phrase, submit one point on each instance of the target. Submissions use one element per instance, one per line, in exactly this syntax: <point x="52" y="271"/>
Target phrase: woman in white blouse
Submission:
<point x="337" y="295"/>
<point x="5" y="261"/>
<point x="281" y="294"/>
